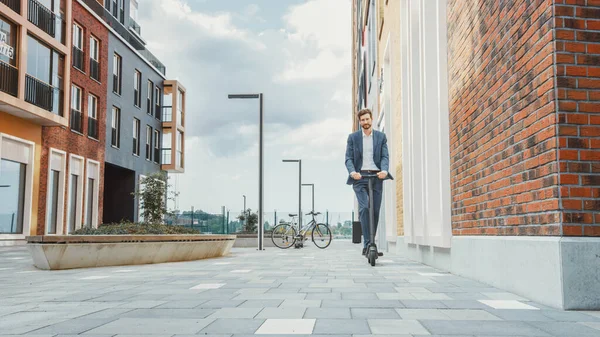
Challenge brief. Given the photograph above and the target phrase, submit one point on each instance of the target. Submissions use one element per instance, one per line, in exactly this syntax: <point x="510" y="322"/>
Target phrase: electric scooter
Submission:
<point x="372" y="253"/>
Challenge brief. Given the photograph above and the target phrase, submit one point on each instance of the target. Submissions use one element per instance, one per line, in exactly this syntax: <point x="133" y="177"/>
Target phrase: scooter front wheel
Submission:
<point x="372" y="257"/>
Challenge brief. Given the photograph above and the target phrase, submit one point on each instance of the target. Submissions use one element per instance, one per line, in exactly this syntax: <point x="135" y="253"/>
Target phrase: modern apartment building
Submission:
<point x="85" y="111"/>
<point x="493" y="135"/>
<point x="35" y="55"/>
<point x="143" y="135"/>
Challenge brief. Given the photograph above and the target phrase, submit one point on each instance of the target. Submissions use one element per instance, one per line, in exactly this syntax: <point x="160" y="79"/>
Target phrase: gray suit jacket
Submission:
<point x="354" y="153"/>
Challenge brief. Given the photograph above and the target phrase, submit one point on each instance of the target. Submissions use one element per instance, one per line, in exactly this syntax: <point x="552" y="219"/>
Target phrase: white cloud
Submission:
<point x="302" y="68"/>
<point x="321" y="28"/>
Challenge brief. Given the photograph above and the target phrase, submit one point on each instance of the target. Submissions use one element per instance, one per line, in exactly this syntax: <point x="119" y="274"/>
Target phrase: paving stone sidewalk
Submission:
<point x="332" y="292"/>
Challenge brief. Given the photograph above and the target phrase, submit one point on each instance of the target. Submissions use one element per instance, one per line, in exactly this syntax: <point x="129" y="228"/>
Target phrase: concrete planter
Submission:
<point x="250" y="240"/>
<point x="85" y="251"/>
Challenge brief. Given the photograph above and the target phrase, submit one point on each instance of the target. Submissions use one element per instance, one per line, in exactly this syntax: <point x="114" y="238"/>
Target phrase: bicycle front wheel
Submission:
<point x="283" y="236"/>
<point x="321" y="235"/>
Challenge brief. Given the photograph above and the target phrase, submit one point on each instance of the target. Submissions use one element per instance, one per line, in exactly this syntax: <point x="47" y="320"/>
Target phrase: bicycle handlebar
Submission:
<point x="313" y="213"/>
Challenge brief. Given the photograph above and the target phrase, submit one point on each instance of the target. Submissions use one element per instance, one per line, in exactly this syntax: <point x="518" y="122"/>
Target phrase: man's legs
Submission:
<point x="361" y="190"/>
<point x="377" y="196"/>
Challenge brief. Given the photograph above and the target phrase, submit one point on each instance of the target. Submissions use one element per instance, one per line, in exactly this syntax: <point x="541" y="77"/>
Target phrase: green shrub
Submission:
<point x="129" y="228"/>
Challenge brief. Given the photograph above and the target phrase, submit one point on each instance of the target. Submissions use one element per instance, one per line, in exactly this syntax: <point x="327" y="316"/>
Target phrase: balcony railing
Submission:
<point x="76" y="121"/>
<point x="15" y="5"/>
<point x="78" y="58"/>
<point x="94" y="69"/>
<point x="167" y="115"/>
<point x="9" y="79"/>
<point x="42" y="17"/>
<point x="136" y="28"/>
<point x="93" y="128"/>
<point x="39" y="93"/>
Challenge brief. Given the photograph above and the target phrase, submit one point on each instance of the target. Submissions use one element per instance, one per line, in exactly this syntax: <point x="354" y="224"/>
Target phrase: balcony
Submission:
<point x="76" y="121"/>
<point x="78" y="58"/>
<point x="9" y="79"/>
<point x="15" y="5"/>
<point x="93" y="128"/>
<point x="42" y="17"/>
<point x="167" y="115"/>
<point x="39" y="93"/>
<point x="94" y="69"/>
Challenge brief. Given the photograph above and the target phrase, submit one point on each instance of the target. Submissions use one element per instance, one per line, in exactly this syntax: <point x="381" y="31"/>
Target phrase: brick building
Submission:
<point x="71" y="189"/>
<point x="492" y="108"/>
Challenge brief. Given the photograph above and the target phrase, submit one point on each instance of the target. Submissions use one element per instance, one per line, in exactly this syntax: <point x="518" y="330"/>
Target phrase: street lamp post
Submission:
<point x="313" y="194"/>
<point x="260" y="161"/>
<point x="299" y="161"/>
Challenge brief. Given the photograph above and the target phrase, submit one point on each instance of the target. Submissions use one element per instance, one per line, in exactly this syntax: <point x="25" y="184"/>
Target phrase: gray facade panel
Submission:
<point x="123" y="156"/>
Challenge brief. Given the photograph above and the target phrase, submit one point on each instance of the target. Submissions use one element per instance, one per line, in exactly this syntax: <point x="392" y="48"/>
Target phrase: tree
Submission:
<point x="152" y="195"/>
<point x="250" y="220"/>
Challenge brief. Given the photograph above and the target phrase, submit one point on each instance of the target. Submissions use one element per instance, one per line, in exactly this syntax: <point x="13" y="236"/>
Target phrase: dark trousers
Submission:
<point x="361" y="189"/>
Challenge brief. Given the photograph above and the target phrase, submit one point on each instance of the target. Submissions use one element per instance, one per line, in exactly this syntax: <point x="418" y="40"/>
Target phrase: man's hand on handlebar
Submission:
<point x="382" y="175"/>
<point x="356" y="176"/>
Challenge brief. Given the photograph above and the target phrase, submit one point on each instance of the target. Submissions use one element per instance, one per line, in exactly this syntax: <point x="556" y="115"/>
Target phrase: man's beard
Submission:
<point x="366" y="126"/>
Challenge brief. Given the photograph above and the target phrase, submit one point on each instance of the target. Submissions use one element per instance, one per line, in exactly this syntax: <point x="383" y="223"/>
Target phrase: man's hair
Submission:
<point x="364" y="112"/>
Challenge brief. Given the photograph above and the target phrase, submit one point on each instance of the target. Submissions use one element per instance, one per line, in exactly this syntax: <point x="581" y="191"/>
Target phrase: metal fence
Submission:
<point x="229" y="222"/>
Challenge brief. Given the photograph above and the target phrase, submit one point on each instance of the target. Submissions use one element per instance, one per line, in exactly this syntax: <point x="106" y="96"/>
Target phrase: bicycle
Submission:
<point x="284" y="235"/>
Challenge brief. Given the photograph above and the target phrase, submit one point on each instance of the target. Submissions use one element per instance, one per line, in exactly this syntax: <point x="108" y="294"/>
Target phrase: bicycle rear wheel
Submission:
<point x="321" y="235"/>
<point x="283" y="236"/>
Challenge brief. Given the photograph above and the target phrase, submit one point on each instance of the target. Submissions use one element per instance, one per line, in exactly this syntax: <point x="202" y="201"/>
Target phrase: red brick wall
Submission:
<point x="67" y="140"/>
<point x="503" y="143"/>
<point x="578" y="80"/>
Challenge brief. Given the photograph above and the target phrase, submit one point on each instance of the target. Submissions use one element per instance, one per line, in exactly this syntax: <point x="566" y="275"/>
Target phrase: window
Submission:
<point x="75" y="196"/>
<point x="122" y="11"/>
<point x="77" y="46"/>
<point x="115" y="139"/>
<point x="166" y="149"/>
<point x="136" y="136"/>
<point x="91" y="194"/>
<point x="94" y="60"/>
<point x="8" y="39"/>
<point x="137" y="86"/>
<point x="12" y="194"/>
<point x="156" y="146"/>
<point x="148" y="142"/>
<point x="179" y="159"/>
<point x="93" y="116"/>
<point x="149" y="98"/>
<point x="117" y="64"/>
<point x="115" y="8"/>
<point x="157" y="111"/>
<point x="16" y="186"/>
<point x="76" y="115"/>
<point x="56" y="191"/>
<point x="180" y="107"/>
<point x="133" y="10"/>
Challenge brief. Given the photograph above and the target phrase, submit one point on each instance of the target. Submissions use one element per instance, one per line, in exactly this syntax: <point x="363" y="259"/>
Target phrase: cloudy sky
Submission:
<point x="297" y="53"/>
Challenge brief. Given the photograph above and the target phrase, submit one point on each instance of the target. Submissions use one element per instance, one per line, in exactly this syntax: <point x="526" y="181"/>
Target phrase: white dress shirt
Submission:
<point x="368" y="162"/>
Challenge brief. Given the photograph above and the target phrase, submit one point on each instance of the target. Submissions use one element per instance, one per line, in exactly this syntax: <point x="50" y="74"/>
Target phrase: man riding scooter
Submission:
<point x="367" y="154"/>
